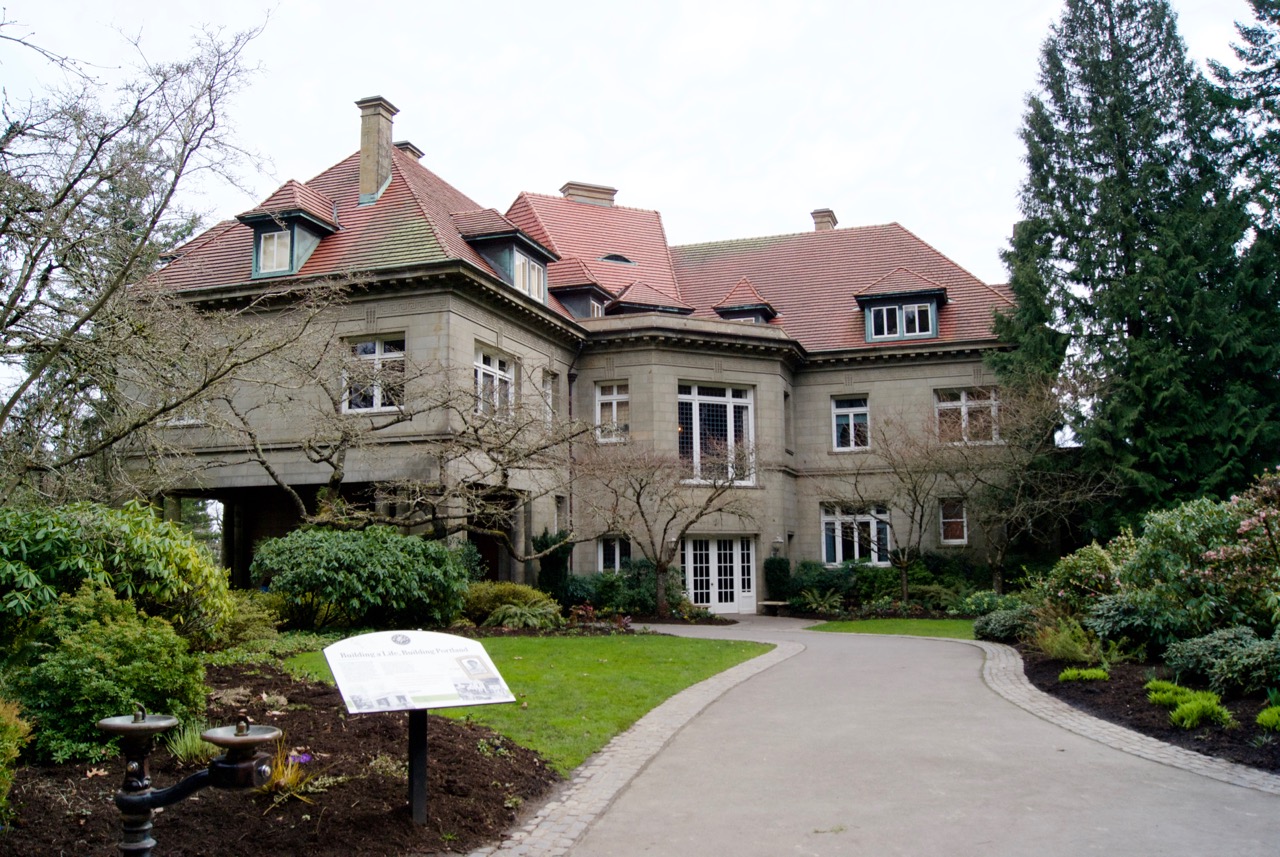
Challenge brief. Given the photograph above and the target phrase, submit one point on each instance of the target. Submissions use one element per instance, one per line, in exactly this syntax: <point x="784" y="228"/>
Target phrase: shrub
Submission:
<point x="1247" y="670"/>
<point x="956" y="570"/>
<point x="375" y="577"/>
<point x="934" y="597"/>
<point x="14" y="735"/>
<point x="982" y="602"/>
<point x="777" y="577"/>
<point x="814" y="601"/>
<point x="818" y="577"/>
<point x="578" y="589"/>
<point x="633" y="590"/>
<point x="1196" y="658"/>
<point x="486" y="596"/>
<point x="100" y="668"/>
<point x="1077" y="674"/>
<point x="872" y="582"/>
<point x="1067" y="640"/>
<point x="1269" y="718"/>
<point x="254" y="616"/>
<point x="1076" y="580"/>
<point x="543" y="615"/>
<point x="1005" y="626"/>
<point x="48" y="552"/>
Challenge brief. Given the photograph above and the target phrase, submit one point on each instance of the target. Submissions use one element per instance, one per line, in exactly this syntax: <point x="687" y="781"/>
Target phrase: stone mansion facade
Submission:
<point x="801" y="347"/>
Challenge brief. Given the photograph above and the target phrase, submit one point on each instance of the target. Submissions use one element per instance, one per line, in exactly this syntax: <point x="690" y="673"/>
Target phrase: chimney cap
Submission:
<point x="377" y="102"/>
<point x="823" y="219"/>
<point x="595" y="194"/>
<point x="408" y="148"/>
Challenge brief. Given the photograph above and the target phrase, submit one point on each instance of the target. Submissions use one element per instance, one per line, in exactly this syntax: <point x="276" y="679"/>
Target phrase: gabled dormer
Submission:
<point x="745" y="303"/>
<point x="642" y="297"/>
<point x="518" y="259"/>
<point x="902" y="305"/>
<point x="287" y="227"/>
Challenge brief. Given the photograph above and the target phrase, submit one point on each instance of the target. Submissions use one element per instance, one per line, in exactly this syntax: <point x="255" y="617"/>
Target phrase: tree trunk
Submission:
<point x="660" y="570"/>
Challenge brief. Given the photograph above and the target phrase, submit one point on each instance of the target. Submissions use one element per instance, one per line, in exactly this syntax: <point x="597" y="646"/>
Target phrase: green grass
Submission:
<point x="573" y="694"/>
<point x="956" y="629"/>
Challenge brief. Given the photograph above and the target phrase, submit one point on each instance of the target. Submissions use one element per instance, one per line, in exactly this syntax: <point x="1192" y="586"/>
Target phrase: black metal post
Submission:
<point x="418" y="765"/>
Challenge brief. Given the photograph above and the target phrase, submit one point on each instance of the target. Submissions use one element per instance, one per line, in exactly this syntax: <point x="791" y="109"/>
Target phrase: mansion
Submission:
<point x="810" y="349"/>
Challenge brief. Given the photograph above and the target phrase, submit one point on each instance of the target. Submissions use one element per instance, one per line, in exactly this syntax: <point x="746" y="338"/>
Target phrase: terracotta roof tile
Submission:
<point x="742" y="294"/>
<point x="900" y="281"/>
<point x="812" y="278"/>
<point x="588" y="233"/>
<point x="293" y="196"/>
<point x="641" y="294"/>
<point x="486" y="221"/>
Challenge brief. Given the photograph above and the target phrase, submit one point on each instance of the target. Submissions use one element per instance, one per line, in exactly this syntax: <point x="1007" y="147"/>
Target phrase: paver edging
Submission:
<point x="1003" y="673"/>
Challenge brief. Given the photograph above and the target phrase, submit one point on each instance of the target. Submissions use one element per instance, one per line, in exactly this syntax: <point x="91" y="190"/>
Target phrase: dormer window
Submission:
<point x="617" y="257"/>
<point x="530" y="277"/>
<point x="275" y="252"/>
<point x="902" y="321"/>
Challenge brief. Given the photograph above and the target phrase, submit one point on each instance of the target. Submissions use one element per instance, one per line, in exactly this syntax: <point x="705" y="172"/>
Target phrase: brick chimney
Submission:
<point x="823" y="219"/>
<point x="595" y="194"/>
<point x="375" y="146"/>
<point x="408" y="148"/>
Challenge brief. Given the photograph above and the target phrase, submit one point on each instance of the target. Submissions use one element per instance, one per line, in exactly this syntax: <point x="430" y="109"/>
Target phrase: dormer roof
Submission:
<point x="293" y="199"/>
<point x="642" y="297"/>
<point x="744" y="298"/>
<point x="901" y="283"/>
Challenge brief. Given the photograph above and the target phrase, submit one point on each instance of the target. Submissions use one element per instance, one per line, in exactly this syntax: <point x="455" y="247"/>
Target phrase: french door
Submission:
<point x="719" y="573"/>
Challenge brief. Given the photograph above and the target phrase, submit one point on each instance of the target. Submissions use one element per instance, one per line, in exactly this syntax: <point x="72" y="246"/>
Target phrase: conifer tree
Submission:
<point x="1129" y="252"/>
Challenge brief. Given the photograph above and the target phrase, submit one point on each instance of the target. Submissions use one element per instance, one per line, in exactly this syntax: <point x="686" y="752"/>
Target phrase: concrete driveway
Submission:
<point x="860" y="744"/>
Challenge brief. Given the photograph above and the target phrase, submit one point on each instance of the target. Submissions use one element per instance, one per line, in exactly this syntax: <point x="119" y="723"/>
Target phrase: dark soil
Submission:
<point x="477" y="784"/>
<point x="1122" y="700"/>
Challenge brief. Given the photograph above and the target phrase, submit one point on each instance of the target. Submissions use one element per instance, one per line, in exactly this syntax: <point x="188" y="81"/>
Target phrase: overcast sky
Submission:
<point x="734" y="119"/>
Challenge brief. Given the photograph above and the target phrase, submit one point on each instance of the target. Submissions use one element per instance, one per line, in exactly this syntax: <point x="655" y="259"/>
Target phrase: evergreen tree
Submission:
<point x="1129" y="251"/>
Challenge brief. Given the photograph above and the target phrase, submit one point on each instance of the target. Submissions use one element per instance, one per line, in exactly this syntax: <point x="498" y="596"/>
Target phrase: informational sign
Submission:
<point x="409" y="670"/>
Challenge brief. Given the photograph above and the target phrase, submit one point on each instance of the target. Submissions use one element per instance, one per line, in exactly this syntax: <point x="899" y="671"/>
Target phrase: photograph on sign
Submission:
<point x="405" y="670"/>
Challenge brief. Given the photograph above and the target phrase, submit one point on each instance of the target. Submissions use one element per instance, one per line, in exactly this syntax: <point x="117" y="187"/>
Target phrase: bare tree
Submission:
<point x="469" y="455"/>
<point x="896" y="482"/>
<point x="87" y="207"/>
<point x="1028" y="485"/>
<point x="652" y="499"/>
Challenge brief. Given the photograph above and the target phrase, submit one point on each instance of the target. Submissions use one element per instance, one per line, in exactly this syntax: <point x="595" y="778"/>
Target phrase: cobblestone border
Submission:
<point x="556" y="826"/>
<point x="1003" y="673"/>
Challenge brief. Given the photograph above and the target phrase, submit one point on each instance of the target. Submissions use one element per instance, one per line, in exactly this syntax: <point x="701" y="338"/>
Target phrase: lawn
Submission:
<point x="956" y="629"/>
<point x="575" y="693"/>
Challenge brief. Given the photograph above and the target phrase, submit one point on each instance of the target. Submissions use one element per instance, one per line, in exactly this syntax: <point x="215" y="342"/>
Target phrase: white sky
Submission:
<point x="734" y="119"/>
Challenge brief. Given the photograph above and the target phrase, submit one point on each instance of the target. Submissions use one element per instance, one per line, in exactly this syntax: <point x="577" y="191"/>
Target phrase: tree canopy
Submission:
<point x="1134" y="264"/>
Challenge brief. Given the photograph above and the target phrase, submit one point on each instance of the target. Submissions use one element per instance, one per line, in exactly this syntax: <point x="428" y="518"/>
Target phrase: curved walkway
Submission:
<point x="782" y="765"/>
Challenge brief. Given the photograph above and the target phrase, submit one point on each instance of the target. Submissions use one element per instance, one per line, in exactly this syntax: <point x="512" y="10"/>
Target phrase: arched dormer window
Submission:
<point x="618" y="258"/>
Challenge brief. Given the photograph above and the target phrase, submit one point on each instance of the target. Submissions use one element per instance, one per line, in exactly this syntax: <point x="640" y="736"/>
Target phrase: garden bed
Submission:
<point x="1123" y="700"/>
<point x="477" y="784"/>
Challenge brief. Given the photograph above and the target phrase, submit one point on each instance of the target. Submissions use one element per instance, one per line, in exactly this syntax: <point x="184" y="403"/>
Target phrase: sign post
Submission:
<point x="414" y="671"/>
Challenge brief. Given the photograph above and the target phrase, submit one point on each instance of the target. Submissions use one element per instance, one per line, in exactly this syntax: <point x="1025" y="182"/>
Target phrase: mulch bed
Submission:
<point x="477" y="784"/>
<point x="1122" y="700"/>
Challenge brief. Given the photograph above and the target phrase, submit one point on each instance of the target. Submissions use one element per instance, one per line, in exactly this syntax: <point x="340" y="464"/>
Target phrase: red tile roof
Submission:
<point x="743" y="294"/>
<point x="410" y="224"/>
<point x="900" y="281"/>
<point x="292" y="196"/>
<point x="812" y="278"/>
<point x="641" y="294"/>
<point x="587" y="233"/>
<point x="486" y="221"/>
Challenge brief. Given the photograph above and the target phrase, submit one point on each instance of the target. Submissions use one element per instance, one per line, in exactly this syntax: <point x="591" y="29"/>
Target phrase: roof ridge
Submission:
<point x="671" y="262"/>
<point x="794" y="235"/>
<point x="555" y="198"/>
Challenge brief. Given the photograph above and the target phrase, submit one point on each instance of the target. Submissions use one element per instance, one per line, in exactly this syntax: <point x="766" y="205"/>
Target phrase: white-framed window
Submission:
<point x="902" y="321"/>
<point x="954" y="526"/>
<point x="716" y="431"/>
<point x="613" y="412"/>
<point x="529" y="276"/>
<point x="971" y="415"/>
<point x="495" y="383"/>
<point x="375" y="377"/>
<point x="850" y="534"/>
<point x="612" y="552"/>
<point x="597" y="309"/>
<point x="850" y="423"/>
<point x="274" y="253"/>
